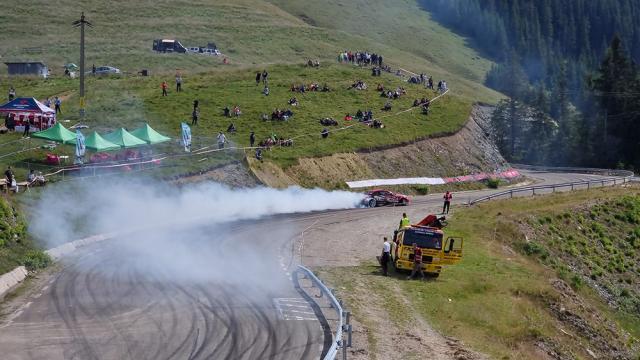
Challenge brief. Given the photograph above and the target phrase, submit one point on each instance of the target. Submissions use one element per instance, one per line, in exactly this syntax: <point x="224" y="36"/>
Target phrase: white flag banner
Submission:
<point x="80" y="147"/>
<point x="186" y="137"/>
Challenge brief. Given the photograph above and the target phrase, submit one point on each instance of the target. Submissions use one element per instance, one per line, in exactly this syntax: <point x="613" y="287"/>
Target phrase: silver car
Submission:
<point x="105" y="70"/>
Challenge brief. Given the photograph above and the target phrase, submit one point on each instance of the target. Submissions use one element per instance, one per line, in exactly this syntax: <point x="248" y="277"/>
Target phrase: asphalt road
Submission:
<point x="223" y="295"/>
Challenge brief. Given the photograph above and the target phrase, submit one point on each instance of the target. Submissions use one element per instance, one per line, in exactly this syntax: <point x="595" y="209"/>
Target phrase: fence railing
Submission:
<point x="615" y="177"/>
<point x="343" y="316"/>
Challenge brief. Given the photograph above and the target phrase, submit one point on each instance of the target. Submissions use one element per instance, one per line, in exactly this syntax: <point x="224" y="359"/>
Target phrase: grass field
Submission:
<point x="253" y="35"/>
<point x="502" y="301"/>
<point x="248" y="32"/>
<point x="129" y="101"/>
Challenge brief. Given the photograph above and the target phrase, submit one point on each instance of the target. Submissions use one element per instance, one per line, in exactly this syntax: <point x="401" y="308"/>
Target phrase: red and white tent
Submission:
<point x="21" y="110"/>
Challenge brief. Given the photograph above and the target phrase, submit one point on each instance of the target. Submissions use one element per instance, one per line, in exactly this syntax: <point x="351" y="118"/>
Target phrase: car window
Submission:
<point x="426" y="239"/>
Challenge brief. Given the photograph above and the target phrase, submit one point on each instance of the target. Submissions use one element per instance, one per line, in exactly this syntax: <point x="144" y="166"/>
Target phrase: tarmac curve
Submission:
<point x="106" y="304"/>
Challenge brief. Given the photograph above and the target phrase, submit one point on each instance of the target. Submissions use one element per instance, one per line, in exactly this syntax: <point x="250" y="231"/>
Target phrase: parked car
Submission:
<point x="194" y="50"/>
<point x="105" y="70"/>
<point x="381" y="197"/>
<point x="211" y="52"/>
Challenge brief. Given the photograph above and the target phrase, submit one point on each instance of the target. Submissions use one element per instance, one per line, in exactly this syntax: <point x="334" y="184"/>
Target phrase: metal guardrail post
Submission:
<point x="338" y="337"/>
<point x="623" y="175"/>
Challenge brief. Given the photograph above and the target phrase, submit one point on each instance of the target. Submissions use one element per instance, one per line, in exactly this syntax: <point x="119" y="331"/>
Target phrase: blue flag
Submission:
<point x="80" y="147"/>
<point x="186" y="137"/>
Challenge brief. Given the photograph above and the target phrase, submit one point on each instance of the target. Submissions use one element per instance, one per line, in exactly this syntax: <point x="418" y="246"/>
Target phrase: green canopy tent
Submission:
<point x="57" y="133"/>
<point x="123" y="138"/>
<point x="149" y="135"/>
<point x="98" y="143"/>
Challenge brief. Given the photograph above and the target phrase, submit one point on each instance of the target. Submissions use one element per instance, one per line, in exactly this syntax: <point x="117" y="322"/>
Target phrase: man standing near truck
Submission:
<point x="417" y="262"/>
<point x="386" y="255"/>
<point x="447" y="202"/>
<point x="404" y="222"/>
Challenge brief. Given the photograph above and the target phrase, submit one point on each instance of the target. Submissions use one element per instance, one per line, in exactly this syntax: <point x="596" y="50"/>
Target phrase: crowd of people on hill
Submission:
<point x="360" y="58"/>
<point x="302" y="88"/>
<point x="366" y="117"/>
<point x="315" y="63"/>
<point x="358" y="85"/>
<point x="392" y="94"/>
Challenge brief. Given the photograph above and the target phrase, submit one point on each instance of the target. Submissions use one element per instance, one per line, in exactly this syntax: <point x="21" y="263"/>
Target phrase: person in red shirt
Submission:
<point x="417" y="262"/>
<point x="447" y="202"/>
<point x="164" y="88"/>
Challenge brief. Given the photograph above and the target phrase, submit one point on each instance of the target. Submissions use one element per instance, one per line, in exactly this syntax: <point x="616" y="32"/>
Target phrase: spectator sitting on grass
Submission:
<point x="325" y="88"/>
<point x="236" y="111"/>
<point x="265" y="91"/>
<point x="359" y="114"/>
<point x="348" y="117"/>
<point x="293" y="101"/>
<point x="231" y="128"/>
<point x="387" y="106"/>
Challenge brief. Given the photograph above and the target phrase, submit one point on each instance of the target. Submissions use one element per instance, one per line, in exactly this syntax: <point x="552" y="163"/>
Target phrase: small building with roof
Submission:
<point x="37" y="68"/>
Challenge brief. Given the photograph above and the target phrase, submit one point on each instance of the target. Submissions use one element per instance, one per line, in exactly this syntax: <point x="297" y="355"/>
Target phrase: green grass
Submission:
<point x="129" y="101"/>
<point x="16" y="248"/>
<point x="248" y="32"/>
<point x="498" y="299"/>
<point x="253" y="35"/>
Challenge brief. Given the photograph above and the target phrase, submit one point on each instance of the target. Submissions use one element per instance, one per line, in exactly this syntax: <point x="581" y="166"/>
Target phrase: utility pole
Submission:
<point x="81" y="23"/>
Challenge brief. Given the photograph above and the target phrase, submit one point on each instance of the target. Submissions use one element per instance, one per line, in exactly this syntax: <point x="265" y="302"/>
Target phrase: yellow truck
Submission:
<point x="436" y="251"/>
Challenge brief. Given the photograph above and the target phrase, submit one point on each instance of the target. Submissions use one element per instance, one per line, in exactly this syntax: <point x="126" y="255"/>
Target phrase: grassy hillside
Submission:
<point x="128" y="101"/>
<point x="16" y="248"/>
<point x="248" y="32"/>
<point x="253" y="35"/>
<point x="554" y="276"/>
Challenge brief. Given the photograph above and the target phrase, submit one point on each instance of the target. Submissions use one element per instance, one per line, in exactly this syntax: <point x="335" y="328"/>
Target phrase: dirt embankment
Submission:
<point x="468" y="151"/>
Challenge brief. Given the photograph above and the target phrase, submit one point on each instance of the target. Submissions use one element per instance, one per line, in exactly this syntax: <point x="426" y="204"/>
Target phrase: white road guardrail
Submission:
<point x="615" y="177"/>
<point x="343" y="325"/>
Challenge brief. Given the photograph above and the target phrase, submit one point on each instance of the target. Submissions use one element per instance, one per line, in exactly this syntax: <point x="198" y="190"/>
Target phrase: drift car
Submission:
<point x="384" y="197"/>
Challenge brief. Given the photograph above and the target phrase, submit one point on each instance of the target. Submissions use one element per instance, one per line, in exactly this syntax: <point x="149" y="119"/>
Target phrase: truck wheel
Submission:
<point x="433" y="275"/>
<point x="372" y="203"/>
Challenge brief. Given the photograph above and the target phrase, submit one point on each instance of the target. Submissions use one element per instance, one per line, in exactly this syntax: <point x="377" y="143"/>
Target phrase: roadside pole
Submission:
<point x="81" y="23"/>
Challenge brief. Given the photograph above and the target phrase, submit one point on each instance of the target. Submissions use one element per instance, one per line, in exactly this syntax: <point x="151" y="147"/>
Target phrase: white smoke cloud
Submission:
<point x="68" y="212"/>
<point x="208" y="232"/>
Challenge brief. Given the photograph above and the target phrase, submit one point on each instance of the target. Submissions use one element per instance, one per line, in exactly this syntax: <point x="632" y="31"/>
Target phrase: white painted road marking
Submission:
<point x="294" y="309"/>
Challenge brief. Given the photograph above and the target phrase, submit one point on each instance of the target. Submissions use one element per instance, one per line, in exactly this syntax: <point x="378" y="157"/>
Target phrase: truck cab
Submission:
<point x="436" y="251"/>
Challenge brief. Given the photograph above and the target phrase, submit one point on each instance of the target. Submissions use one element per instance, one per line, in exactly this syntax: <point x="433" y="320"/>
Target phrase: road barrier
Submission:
<point x="615" y="177"/>
<point x="343" y="316"/>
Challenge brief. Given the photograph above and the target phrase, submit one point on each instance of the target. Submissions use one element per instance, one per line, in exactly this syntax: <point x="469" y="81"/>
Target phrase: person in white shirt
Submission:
<point x="221" y="140"/>
<point x="386" y="256"/>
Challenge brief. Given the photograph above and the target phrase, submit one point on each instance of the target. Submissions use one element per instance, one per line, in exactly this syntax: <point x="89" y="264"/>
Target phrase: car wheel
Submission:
<point x="372" y="203"/>
<point x="404" y="202"/>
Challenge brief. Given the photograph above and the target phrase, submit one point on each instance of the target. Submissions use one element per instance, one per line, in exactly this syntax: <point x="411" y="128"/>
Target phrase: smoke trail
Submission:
<point x="67" y="213"/>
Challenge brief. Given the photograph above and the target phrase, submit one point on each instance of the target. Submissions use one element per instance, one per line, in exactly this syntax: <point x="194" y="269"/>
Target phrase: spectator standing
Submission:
<point x="386" y="255"/>
<point x="57" y="103"/>
<point x="252" y="139"/>
<point x="195" y="104"/>
<point x="178" y="83"/>
<point x="221" y="140"/>
<point x="195" y="115"/>
<point x="47" y="102"/>
<point x="27" y="126"/>
<point x="417" y="262"/>
<point x="164" y="88"/>
<point x="447" y="202"/>
<point x="12" y="93"/>
<point x="265" y="75"/>
<point x="258" y="77"/>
